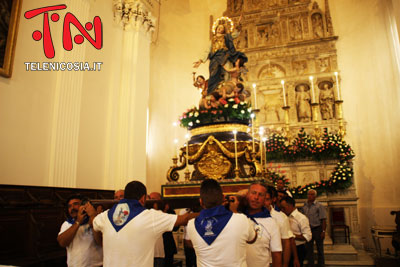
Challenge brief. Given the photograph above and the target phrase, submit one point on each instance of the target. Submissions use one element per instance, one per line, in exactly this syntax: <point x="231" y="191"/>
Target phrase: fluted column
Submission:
<point x="126" y="157"/>
<point x="66" y="110"/>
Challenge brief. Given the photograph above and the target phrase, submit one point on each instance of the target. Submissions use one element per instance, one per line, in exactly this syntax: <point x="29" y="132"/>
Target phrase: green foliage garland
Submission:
<point x="304" y="147"/>
<point x="232" y="110"/>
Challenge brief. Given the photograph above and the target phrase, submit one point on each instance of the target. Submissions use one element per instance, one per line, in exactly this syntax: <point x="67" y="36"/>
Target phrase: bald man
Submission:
<point x="119" y="194"/>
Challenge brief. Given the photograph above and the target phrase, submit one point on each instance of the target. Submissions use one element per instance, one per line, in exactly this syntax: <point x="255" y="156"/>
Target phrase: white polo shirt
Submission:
<point x="83" y="250"/>
<point x="229" y="248"/>
<point x="268" y="240"/>
<point x="283" y="222"/>
<point x="300" y="226"/>
<point x="134" y="244"/>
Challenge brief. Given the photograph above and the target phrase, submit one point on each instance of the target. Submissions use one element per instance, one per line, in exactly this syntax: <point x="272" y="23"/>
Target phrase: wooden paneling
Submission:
<point x="30" y="219"/>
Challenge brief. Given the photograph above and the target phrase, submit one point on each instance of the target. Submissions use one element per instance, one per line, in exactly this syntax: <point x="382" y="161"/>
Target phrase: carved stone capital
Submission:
<point x="134" y="14"/>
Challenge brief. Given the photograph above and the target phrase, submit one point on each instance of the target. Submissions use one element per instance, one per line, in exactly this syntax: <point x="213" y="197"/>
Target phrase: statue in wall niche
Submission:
<point x="326" y="100"/>
<point x="303" y="102"/>
<point x="262" y="36"/>
<point x="221" y="52"/>
<point x="295" y="30"/>
<point x="317" y="25"/>
<point x="274" y="34"/>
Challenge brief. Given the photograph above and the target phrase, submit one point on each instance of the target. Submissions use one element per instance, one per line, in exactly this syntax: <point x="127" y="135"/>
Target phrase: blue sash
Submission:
<point x="210" y="223"/>
<point x="264" y="213"/>
<point x="277" y="208"/>
<point x="123" y="212"/>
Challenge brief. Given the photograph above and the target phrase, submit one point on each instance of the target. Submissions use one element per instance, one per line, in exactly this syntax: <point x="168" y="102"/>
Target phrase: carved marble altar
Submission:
<point x="289" y="40"/>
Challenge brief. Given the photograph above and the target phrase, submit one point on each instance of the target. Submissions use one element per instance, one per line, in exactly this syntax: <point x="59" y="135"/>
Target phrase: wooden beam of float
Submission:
<point x="176" y="191"/>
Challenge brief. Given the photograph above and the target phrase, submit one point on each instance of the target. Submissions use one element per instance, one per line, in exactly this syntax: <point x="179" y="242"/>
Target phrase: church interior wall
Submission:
<point x="370" y="85"/>
<point x="25" y="116"/>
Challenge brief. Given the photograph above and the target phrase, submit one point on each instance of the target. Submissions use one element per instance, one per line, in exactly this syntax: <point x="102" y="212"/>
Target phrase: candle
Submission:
<point x="284" y="93"/>
<point x="255" y="95"/>
<point x="337" y="86"/>
<point x="175" y="124"/>
<point x="312" y="89"/>
<point x="261" y="132"/>
<point x="265" y="143"/>
<point x="252" y="130"/>
<point x="236" y="159"/>
<point x="176" y="147"/>
<point x="187" y="150"/>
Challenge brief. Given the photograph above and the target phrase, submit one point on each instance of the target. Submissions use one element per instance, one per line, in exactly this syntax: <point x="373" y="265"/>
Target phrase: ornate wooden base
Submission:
<point x="211" y="151"/>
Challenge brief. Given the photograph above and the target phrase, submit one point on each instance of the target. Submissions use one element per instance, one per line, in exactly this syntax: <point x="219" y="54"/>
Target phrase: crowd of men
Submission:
<point x="259" y="227"/>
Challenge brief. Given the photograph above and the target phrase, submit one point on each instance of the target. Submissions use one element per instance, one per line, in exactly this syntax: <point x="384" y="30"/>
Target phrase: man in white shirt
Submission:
<point x="269" y="238"/>
<point x="76" y="234"/>
<point x="280" y="186"/>
<point x="129" y="232"/>
<point x="299" y="225"/>
<point x="219" y="236"/>
<point x="283" y="223"/>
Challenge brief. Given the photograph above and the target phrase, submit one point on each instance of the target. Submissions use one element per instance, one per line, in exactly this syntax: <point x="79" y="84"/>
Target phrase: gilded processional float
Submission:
<point x="271" y="107"/>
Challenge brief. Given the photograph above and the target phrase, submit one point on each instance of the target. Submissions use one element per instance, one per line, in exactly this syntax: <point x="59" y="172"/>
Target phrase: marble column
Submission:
<point x="126" y="157"/>
<point x="66" y="110"/>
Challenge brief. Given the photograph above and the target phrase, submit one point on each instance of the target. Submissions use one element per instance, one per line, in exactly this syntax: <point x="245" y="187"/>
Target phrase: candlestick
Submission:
<point x="261" y="132"/>
<point x="339" y="97"/>
<point x="265" y="160"/>
<point x="176" y="147"/>
<point x="255" y="95"/>
<point x="252" y="130"/>
<point x="312" y="89"/>
<point x="187" y="150"/>
<point x="236" y="159"/>
<point x="339" y="116"/>
<point x="284" y="93"/>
